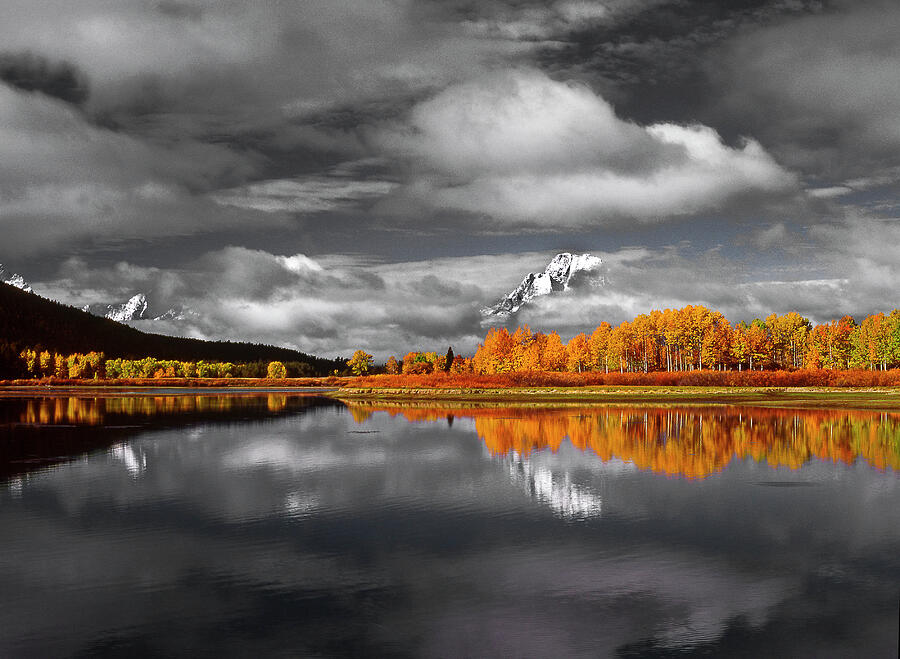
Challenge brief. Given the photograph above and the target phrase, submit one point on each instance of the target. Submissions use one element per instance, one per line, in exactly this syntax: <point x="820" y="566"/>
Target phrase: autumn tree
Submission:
<point x="276" y="371"/>
<point x="60" y="368"/>
<point x="840" y="342"/>
<point x="495" y="355"/>
<point x="417" y="363"/>
<point x="391" y="366"/>
<point x="789" y="334"/>
<point x="553" y="357"/>
<point x="600" y="347"/>
<point x="360" y="362"/>
<point x="716" y="350"/>
<point x="759" y="344"/>
<point x="45" y="362"/>
<point x="578" y="353"/>
<point x="740" y="344"/>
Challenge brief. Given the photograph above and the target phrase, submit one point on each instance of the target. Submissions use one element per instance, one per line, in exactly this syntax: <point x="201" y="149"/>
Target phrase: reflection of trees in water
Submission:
<point x="689" y="441"/>
<point x="95" y="411"/>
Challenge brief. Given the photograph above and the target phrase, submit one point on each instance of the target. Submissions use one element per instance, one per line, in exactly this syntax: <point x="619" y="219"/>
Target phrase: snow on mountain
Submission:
<point x="179" y="313"/>
<point x="557" y="276"/>
<point x="137" y="308"/>
<point x="134" y="309"/>
<point x="14" y="279"/>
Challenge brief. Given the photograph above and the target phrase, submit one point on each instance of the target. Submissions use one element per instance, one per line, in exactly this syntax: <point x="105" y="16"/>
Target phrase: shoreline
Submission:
<point x="867" y="398"/>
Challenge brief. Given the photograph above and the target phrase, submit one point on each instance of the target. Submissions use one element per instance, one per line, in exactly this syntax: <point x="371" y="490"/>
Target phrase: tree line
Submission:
<point x="677" y="340"/>
<point x="94" y="365"/>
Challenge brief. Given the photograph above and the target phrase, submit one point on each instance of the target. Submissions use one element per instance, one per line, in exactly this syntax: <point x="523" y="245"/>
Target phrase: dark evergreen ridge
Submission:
<point x="30" y="321"/>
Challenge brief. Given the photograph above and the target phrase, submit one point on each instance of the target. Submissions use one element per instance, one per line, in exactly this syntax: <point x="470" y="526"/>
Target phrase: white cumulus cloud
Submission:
<point x="524" y="148"/>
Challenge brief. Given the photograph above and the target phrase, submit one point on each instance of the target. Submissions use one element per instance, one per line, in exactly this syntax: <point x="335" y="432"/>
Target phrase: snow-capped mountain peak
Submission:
<point x="564" y="265"/>
<point x="134" y="309"/>
<point x="557" y="276"/>
<point x="14" y="279"/>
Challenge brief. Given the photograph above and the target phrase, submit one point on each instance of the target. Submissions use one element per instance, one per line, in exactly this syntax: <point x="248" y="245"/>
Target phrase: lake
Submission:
<point x="218" y="524"/>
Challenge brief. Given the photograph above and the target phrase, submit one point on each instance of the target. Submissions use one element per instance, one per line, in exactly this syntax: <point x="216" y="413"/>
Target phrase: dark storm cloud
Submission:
<point x="35" y="73"/>
<point x="651" y="60"/>
<point x="822" y="91"/>
<point x="65" y="180"/>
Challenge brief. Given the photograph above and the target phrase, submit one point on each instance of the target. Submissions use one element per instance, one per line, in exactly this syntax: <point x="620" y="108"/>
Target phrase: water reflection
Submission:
<point x="297" y="527"/>
<point x="566" y="498"/>
<point x="688" y="441"/>
<point x="37" y="432"/>
<point x="135" y="460"/>
<point x="97" y="410"/>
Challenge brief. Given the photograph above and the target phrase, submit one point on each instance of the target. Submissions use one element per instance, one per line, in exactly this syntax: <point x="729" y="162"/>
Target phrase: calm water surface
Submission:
<point x="213" y="525"/>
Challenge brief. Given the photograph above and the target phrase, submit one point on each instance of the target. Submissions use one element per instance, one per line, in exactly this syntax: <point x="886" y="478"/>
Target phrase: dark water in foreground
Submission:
<point x="211" y="525"/>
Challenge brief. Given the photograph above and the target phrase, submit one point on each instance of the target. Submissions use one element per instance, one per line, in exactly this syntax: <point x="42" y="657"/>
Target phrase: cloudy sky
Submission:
<point x="332" y="175"/>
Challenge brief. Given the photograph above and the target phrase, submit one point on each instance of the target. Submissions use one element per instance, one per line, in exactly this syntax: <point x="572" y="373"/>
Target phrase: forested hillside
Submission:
<point x="30" y="321"/>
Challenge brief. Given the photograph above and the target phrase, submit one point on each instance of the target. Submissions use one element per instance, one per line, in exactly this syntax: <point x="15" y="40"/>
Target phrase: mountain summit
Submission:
<point x="134" y="309"/>
<point x="557" y="276"/>
<point x="14" y="279"/>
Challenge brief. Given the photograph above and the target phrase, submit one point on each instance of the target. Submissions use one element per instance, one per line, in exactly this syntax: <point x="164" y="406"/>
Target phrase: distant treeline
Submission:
<point x="94" y="365"/>
<point x="28" y="321"/>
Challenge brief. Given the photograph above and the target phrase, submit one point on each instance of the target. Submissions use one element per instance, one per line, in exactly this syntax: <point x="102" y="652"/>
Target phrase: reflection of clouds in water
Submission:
<point x="296" y="457"/>
<point x="301" y="504"/>
<point x="678" y="599"/>
<point x="566" y="498"/>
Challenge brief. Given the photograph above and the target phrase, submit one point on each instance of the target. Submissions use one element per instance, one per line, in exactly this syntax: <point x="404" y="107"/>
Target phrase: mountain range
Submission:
<point x="559" y="275"/>
<point x="136" y="308"/>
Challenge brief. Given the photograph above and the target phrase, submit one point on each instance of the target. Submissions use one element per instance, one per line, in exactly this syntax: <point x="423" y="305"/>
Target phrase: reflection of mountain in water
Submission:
<point x="135" y="461"/>
<point x="564" y="497"/>
<point x="689" y="441"/>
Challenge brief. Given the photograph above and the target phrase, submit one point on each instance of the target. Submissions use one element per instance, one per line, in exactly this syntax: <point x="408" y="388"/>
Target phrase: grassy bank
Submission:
<point x="855" y="398"/>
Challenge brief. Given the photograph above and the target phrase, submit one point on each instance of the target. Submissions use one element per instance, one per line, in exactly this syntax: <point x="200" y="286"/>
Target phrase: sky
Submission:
<point x="332" y="175"/>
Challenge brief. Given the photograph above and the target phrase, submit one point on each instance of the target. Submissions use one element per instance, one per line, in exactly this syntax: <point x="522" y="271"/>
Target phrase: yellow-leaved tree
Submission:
<point x="360" y="362"/>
